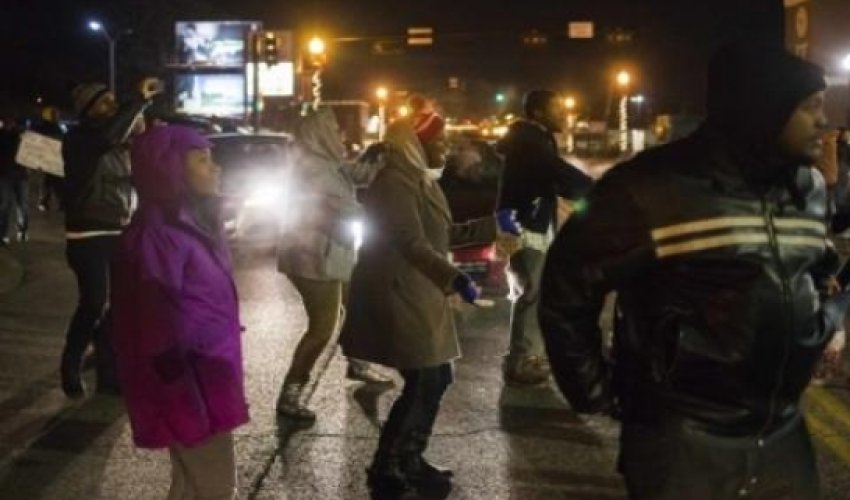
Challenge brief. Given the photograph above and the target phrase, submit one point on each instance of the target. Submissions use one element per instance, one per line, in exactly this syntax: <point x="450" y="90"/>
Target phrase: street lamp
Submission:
<point x="97" y="27"/>
<point x="316" y="48"/>
<point x="570" y="105"/>
<point x="382" y="93"/>
<point x="624" y="78"/>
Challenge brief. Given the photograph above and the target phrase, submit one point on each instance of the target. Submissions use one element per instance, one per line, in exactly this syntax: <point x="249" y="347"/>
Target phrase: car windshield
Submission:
<point x="239" y="154"/>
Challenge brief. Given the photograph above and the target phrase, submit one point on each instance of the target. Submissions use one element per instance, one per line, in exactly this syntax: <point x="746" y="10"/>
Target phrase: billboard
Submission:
<point x="215" y="44"/>
<point x="275" y="81"/>
<point x="210" y="94"/>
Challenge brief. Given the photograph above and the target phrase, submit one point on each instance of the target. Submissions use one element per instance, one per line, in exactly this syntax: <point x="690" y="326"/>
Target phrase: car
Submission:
<point x="255" y="169"/>
<point x="471" y="185"/>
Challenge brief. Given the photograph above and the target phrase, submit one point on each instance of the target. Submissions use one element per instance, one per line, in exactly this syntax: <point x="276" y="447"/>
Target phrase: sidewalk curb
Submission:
<point x="11" y="271"/>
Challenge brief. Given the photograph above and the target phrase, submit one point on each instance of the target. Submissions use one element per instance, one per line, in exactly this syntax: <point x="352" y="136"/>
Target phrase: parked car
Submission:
<point x="254" y="181"/>
<point x="471" y="185"/>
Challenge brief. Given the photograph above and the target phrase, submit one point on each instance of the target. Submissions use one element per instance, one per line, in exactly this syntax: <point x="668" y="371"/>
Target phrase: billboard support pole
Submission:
<point x="255" y="103"/>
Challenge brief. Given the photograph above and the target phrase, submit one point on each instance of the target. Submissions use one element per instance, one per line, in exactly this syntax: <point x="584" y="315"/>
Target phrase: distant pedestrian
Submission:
<point x="13" y="184"/>
<point x="534" y="180"/>
<point x="399" y="312"/>
<point x="99" y="204"/>
<point x="176" y="316"/>
<point x="716" y="246"/>
<point x="52" y="186"/>
<point x="317" y="249"/>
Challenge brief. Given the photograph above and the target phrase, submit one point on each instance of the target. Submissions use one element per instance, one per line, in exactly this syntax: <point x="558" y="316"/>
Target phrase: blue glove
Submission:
<point x="506" y="218"/>
<point x="466" y="288"/>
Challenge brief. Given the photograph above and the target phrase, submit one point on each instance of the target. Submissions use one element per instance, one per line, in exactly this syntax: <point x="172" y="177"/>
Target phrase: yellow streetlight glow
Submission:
<point x="624" y="78"/>
<point x="316" y="46"/>
<point x="403" y="111"/>
<point x="382" y="93"/>
<point x="570" y="103"/>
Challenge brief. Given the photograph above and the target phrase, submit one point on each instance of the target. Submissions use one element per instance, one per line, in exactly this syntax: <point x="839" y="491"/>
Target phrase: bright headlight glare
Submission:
<point x="264" y="196"/>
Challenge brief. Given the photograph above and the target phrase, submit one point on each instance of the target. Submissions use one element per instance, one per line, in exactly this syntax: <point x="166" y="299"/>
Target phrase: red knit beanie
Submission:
<point x="428" y="126"/>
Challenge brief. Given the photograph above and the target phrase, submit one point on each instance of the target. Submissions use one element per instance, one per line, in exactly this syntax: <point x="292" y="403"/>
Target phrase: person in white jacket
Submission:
<point x="317" y="248"/>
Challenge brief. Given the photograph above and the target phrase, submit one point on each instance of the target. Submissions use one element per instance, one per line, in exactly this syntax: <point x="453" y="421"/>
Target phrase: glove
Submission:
<point x="466" y="288"/>
<point x="373" y="152"/>
<point x="506" y="218"/>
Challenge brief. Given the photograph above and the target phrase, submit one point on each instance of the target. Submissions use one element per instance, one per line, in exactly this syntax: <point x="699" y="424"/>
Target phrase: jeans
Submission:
<point x="205" y="472"/>
<point x="410" y="423"/>
<point x="90" y="258"/>
<point x="526" y="267"/>
<point x="662" y="462"/>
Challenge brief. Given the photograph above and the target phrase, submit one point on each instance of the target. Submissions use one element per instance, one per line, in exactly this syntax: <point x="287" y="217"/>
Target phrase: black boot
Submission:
<point x="386" y="480"/>
<point x="425" y="477"/>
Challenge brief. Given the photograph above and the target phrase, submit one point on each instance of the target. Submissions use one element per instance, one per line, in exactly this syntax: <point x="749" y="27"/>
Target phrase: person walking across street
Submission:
<point x="399" y="312"/>
<point x="13" y="185"/>
<point x="535" y="177"/>
<point x="99" y="205"/>
<point x="318" y="250"/>
<point x="176" y="326"/>
<point x="716" y="245"/>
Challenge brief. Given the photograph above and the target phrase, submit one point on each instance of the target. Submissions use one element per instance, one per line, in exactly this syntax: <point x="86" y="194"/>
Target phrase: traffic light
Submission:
<point x="269" y="48"/>
<point x="317" y="54"/>
<point x="500" y="97"/>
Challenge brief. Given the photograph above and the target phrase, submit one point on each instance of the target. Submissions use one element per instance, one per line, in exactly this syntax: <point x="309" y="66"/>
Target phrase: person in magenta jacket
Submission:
<point x="176" y="318"/>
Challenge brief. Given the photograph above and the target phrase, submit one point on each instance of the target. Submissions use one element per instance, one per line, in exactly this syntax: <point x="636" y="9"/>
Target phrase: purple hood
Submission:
<point x="158" y="157"/>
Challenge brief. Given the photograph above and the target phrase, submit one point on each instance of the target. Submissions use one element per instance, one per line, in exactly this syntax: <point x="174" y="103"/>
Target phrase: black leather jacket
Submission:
<point x="719" y="319"/>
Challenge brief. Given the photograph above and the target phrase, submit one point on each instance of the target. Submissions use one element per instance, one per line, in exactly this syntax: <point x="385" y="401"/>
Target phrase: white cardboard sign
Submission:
<point x="40" y="152"/>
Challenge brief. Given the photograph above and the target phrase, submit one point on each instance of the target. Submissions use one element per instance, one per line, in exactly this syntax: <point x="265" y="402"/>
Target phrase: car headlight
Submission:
<point x="358" y="230"/>
<point x="263" y="196"/>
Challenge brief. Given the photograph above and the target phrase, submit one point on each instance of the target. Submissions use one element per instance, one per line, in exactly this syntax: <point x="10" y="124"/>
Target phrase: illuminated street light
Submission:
<point x="500" y="97"/>
<point x="316" y="46"/>
<point x="403" y="111"/>
<point x="382" y="93"/>
<point x="97" y="27"/>
<point x="570" y="105"/>
<point x="624" y="79"/>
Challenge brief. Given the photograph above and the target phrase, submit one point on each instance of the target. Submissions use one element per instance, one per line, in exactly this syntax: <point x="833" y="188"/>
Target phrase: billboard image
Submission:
<point x="275" y="81"/>
<point x="213" y="43"/>
<point x="211" y="94"/>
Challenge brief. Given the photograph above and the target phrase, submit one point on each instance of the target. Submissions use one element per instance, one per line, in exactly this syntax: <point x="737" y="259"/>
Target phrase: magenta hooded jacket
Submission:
<point x="176" y="327"/>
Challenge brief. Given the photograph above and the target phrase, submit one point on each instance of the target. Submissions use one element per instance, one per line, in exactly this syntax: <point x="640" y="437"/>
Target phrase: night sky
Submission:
<point x="46" y="48"/>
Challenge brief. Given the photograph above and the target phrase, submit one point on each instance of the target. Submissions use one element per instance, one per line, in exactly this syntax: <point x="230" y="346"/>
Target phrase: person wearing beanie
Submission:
<point x="716" y="247"/>
<point x="399" y="313"/>
<point x="98" y="204"/>
<point x="534" y="180"/>
<point x="176" y="329"/>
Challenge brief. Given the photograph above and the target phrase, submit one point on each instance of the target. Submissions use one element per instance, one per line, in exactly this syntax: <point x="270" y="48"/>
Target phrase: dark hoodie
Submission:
<point x="535" y="174"/>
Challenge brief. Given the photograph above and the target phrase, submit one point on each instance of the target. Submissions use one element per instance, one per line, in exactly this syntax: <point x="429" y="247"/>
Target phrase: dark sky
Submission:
<point x="45" y="45"/>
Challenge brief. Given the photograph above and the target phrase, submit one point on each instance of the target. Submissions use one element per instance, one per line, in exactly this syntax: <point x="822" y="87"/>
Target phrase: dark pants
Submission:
<point x="674" y="463"/>
<point x="13" y="196"/>
<point x="89" y="258"/>
<point x="52" y="186"/>
<point x="405" y="434"/>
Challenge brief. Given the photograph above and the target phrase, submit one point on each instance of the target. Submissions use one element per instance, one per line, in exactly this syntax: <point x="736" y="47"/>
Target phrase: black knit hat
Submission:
<point x="754" y="89"/>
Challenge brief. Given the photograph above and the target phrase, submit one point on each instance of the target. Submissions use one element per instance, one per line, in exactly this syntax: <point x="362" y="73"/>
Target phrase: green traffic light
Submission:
<point x="500" y="97"/>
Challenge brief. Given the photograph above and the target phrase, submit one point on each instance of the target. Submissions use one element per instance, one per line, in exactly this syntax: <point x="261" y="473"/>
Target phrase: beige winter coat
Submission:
<point x="399" y="313"/>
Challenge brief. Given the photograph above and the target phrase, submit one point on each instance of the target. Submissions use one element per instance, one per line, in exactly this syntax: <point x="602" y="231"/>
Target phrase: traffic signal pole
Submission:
<point x="255" y="102"/>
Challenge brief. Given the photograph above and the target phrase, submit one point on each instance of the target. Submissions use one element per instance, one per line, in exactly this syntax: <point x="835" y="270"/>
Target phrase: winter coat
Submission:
<point x="97" y="188"/>
<point x="318" y="238"/>
<point x="535" y="175"/>
<point x="174" y="305"/>
<point x="398" y="311"/>
<point x="720" y="320"/>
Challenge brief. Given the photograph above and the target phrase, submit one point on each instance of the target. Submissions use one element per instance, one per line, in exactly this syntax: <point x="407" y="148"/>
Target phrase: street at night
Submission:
<point x="443" y="250"/>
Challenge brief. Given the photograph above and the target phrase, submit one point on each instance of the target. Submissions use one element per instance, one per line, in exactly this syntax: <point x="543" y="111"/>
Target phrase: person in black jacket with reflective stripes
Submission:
<point x="98" y="203"/>
<point x="534" y="178"/>
<point x="716" y="247"/>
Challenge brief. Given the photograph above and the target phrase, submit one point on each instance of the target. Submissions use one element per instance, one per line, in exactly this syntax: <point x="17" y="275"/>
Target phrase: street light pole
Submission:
<point x="112" y="42"/>
<point x="623" y="81"/>
<point x="382" y="94"/>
